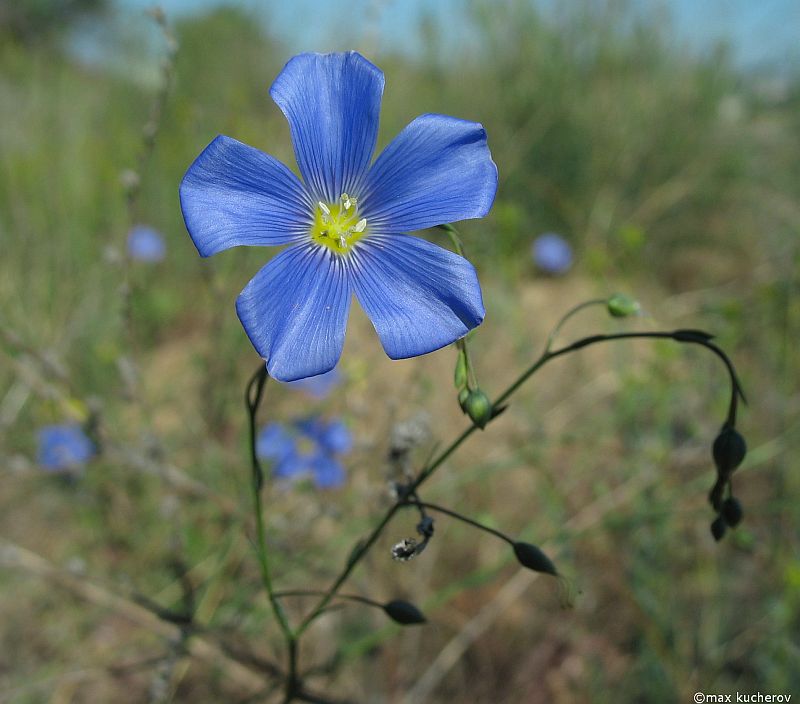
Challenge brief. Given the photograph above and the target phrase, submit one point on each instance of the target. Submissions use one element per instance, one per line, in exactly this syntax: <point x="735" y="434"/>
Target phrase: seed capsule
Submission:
<point x="534" y="559"/>
<point x="718" y="528"/>
<point x="729" y="450"/>
<point x="478" y="408"/>
<point x="404" y="613"/>
<point x="732" y="512"/>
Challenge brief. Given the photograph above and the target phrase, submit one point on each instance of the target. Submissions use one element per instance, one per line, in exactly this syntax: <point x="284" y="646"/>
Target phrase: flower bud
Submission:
<point x="462" y="399"/>
<point x="534" y="559"/>
<point x="404" y="613"/>
<point x="718" y="528"/>
<point x="479" y="408"/>
<point x="460" y="377"/>
<point x="731" y="512"/>
<point x="621" y="306"/>
<point x="729" y="450"/>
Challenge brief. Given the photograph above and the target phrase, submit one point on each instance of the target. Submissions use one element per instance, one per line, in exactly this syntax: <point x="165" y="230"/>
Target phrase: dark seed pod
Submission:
<point x="534" y="559"/>
<point x="718" y="528"/>
<point x="729" y="450"/>
<point x="732" y="512"/>
<point x="404" y="613"/>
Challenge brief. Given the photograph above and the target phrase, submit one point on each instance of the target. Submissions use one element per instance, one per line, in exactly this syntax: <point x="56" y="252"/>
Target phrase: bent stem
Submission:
<point x="253" y="396"/>
<point x="680" y="336"/>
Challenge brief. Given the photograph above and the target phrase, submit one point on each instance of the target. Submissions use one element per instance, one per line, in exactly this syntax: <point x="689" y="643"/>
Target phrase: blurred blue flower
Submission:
<point x="306" y="447"/>
<point x="318" y="386"/>
<point x="346" y="220"/>
<point x="146" y="244"/>
<point x="63" y="447"/>
<point x="552" y="253"/>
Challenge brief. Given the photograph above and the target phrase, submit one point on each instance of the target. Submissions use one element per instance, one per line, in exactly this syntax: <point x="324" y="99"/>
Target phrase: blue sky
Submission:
<point x="760" y="31"/>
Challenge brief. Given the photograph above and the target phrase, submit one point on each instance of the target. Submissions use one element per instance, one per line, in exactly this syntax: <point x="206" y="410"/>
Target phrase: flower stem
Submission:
<point x="317" y="592"/>
<point x="460" y="517"/>
<point x="571" y="312"/>
<point x="253" y="396"/>
<point x="680" y="336"/>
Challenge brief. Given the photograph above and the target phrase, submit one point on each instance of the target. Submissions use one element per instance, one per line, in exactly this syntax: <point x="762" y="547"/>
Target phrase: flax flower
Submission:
<point x="346" y="221"/>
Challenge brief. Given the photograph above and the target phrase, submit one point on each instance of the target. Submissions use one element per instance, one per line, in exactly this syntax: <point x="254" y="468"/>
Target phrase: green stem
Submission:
<point x="317" y="592"/>
<point x="560" y="324"/>
<point x="691" y="337"/>
<point x="460" y="517"/>
<point x="253" y="396"/>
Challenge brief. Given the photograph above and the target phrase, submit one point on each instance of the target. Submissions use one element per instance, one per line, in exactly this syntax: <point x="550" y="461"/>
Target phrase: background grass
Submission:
<point x="674" y="177"/>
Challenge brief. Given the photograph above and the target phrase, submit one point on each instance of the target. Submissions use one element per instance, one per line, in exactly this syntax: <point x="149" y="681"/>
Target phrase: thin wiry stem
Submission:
<point x="680" y="336"/>
<point x="253" y="396"/>
<point x="460" y="517"/>
<point x="317" y="592"/>
<point x="551" y="338"/>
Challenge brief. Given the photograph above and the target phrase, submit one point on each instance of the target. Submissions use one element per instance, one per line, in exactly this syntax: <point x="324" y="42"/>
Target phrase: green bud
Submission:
<point x="460" y="377"/>
<point x="479" y="408"/>
<point x="463" y="395"/>
<point x="534" y="559"/>
<point x="621" y="306"/>
<point x="404" y="613"/>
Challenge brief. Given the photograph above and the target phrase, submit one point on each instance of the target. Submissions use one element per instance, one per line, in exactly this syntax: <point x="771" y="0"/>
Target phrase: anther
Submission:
<point x="360" y="225"/>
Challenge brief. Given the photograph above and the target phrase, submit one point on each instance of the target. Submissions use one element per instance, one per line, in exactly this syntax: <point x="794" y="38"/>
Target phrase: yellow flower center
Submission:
<point x="338" y="225"/>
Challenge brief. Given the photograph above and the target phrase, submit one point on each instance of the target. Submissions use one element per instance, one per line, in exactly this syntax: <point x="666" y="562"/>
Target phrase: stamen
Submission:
<point x="338" y="225"/>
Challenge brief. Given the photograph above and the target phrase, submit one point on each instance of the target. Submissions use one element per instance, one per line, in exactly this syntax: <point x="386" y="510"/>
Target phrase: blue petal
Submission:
<point x="63" y="446"/>
<point x="236" y="195"/>
<point x="328" y="473"/>
<point x="437" y="170"/>
<point x="291" y="465"/>
<point x="319" y="386"/>
<point x="146" y="244"/>
<point x="332" y="103"/>
<point x="332" y="437"/>
<point x="336" y="438"/>
<point x="295" y="311"/>
<point x="418" y="296"/>
<point x="274" y="442"/>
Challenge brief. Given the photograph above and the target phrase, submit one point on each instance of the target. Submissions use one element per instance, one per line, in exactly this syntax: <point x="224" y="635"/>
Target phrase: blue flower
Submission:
<point x="346" y="220"/>
<point x="318" y="386"/>
<point x="552" y="253"/>
<point x="308" y="447"/>
<point x="145" y="244"/>
<point x="63" y="447"/>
